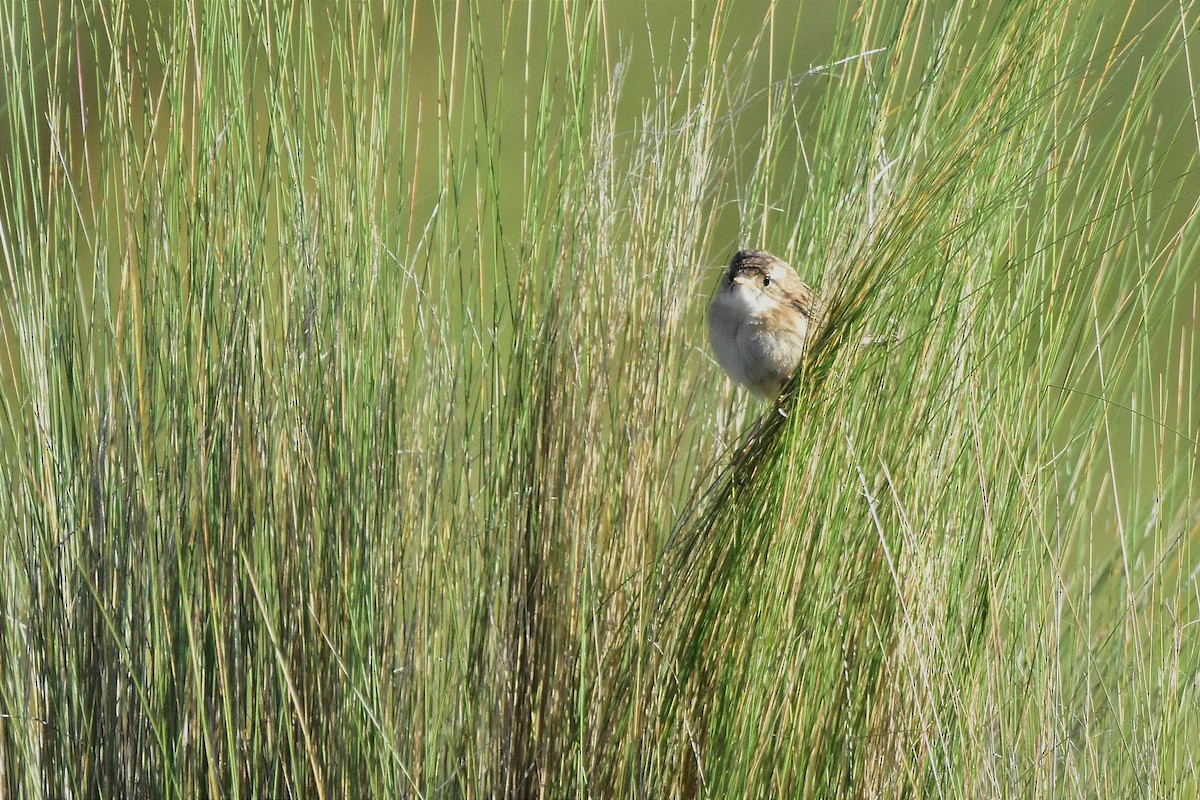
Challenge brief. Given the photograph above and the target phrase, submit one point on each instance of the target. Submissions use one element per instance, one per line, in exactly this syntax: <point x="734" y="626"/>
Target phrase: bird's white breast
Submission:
<point x="733" y="307"/>
<point x="725" y="316"/>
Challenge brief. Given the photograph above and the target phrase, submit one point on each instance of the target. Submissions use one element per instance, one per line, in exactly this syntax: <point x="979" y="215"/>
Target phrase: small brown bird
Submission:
<point x="760" y="320"/>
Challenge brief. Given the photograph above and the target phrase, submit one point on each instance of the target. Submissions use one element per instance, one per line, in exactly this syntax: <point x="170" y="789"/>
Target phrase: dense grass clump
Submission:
<point x="362" y="438"/>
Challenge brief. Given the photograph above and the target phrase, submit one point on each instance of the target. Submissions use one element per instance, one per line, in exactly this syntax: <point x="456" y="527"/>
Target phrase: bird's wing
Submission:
<point x="805" y="301"/>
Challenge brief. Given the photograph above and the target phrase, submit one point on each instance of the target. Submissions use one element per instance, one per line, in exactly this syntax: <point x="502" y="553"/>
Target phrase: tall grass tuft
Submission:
<point x="362" y="439"/>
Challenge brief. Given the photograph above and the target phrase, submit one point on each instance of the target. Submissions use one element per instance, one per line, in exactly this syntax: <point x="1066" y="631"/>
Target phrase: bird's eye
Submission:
<point x="766" y="281"/>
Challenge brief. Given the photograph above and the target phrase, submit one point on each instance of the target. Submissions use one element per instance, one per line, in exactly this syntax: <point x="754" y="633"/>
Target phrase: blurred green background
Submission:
<point x="645" y="43"/>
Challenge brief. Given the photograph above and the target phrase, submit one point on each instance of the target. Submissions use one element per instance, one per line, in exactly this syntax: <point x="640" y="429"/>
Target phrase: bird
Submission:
<point x="760" y="321"/>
